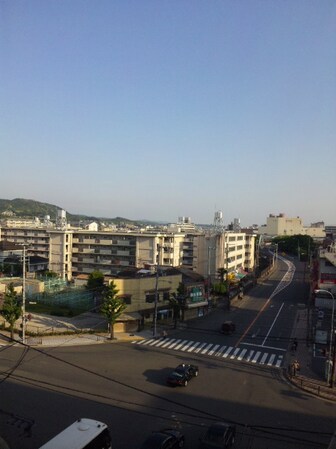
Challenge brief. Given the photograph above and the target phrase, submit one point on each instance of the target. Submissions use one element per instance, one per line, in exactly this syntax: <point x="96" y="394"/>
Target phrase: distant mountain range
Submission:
<point x="23" y="208"/>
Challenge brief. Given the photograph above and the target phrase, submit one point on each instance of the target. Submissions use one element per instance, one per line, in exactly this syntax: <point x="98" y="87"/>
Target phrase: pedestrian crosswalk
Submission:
<point x="254" y="356"/>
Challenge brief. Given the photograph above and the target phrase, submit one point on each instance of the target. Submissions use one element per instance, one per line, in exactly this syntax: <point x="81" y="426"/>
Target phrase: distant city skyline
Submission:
<point x="156" y="110"/>
<point x="177" y="220"/>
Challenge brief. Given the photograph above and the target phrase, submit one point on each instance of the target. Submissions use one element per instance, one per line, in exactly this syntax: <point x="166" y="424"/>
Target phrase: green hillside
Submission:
<point x="20" y="207"/>
<point x="23" y="208"/>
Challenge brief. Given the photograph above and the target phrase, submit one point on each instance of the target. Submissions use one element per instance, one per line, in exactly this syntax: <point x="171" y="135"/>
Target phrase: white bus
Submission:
<point x="83" y="434"/>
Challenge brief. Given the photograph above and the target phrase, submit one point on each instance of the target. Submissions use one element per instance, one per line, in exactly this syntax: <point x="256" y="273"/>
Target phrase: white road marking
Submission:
<point x="255" y="358"/>
<point x="263" y="358"/>
<point x="241" y="355"/>
<point x="206" y="348"/>
<point x="194" y="346"/>
<point x="227" y="352"/>
<point x="210" y="349"/>
<point x="213" y="349"/>
<point x="235" y="352"/>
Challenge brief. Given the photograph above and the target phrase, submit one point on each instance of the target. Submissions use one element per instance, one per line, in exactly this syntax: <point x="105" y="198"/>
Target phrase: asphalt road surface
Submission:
<point x="124" y="384"/>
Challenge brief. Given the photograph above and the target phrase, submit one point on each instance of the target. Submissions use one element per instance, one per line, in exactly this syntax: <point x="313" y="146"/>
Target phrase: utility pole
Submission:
<point x="209" y="274"/>
<point x="227" y="273"/>
<point x="156" y="294"/>
<point x="24" y="296"/>
<point x="333" y="362"/>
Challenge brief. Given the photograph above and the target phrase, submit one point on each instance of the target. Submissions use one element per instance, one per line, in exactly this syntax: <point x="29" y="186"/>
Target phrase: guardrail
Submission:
<point x="317" y="388"/>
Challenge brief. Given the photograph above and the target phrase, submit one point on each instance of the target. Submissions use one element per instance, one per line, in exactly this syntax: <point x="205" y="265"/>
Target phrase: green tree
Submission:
<point x="112" y="306"/>
<point x="95" y="281"/>
<point x="177" y="303"/>
<point x="11" y="309"/>
<point x="95" y="284"/>
<point x="50" y="274"/>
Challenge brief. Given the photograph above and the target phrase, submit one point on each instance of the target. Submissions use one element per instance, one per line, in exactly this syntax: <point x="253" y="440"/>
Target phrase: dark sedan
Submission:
<point x="220" y="435"/>
<point x="164" y="439"/>
<point x="182" y="374"/>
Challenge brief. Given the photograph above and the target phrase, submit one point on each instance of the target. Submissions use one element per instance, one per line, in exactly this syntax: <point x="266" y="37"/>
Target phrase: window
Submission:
<point x="150" y="297"/>
<point x="166" y="296"/>
<point x="126" y="298"/>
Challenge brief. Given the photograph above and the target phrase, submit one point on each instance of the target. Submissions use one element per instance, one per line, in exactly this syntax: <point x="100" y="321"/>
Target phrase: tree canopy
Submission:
<point x="11" y="309"/>
<point x="112" y="306"/>
<point x="298" y="245"/>
<point x="95" y="281"/>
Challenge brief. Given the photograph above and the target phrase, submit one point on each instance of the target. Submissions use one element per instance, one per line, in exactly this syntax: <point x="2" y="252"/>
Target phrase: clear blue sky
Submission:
<point x="164" y="108"/>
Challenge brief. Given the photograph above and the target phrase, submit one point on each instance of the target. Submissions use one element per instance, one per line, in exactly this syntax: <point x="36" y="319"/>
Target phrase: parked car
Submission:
<point x="228" y="327"/>
<point x="220" y="435"/>
<point x="164" y="439"/>
<point x="182" y="374"/>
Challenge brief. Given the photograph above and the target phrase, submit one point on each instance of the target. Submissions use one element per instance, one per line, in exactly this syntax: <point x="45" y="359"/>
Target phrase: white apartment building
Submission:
<point x="72" y="252"/>
<point x="54" y="245"/>
<point x="108" y="252"/>
<point x="278" y="225"/>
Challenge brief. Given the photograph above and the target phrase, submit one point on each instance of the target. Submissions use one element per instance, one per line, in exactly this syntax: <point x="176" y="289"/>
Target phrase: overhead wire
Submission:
<point x="176" y="403"/>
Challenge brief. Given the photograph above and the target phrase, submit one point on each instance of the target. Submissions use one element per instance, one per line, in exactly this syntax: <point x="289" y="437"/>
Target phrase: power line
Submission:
<point x="204" y="414"/>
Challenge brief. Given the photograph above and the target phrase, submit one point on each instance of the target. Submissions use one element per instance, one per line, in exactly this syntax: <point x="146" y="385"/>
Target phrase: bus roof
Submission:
<point x="77" y="435"/>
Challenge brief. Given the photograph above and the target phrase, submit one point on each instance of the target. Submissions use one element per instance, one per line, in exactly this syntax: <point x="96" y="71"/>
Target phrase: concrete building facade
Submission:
<point x="278" y="225"/>
<point x="72" y="252"/>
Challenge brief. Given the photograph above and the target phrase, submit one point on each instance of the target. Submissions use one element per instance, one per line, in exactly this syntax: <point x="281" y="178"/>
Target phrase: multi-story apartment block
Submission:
<point x="226" y="250"/>
<point x="54" y="245"/>
<point x="109" y="252"/>
<point x="73" y="251"/>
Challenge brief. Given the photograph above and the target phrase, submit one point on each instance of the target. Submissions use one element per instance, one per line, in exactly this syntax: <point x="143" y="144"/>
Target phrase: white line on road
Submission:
<point x="213" y="349"/>
<point x="200" y="347"/>
<point x="174" y="344"/>
<point x="273" y="324"/>
<point x="206" y="348"/>
<point x="193" y="347"/>
<point x="180" y="345"/>
<point x="255" y="358"/>
<point x="185" y="347"/>
<point x="271" y="360"/>
<point x="227" y="352"/>
<point x="169" y="342"/>
<point x="235" y="352"/>
<point x="218" y="353"/>
<point x="263" y="359"/>
<point x="241" y="355"/>
<point x="248" y="358"/>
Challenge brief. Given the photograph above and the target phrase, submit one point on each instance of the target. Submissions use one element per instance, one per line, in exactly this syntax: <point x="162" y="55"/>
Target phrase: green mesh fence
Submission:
<point x="74" y="299"/>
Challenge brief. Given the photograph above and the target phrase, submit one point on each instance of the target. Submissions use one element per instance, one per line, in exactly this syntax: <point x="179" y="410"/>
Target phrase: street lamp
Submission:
<point x="330" y="371"/>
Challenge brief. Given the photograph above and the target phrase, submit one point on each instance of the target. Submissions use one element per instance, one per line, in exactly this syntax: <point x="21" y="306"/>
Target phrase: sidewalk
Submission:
<point x="75" y="339"/>
<point x="47" y="330"/>
<point x="306" y="378"/>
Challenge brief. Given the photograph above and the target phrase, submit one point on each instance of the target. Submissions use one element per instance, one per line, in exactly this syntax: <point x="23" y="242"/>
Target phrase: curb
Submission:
<point x="310" y="386"/>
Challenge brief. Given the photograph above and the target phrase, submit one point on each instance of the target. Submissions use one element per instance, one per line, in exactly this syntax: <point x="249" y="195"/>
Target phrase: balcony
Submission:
<point x="123" y="253"/>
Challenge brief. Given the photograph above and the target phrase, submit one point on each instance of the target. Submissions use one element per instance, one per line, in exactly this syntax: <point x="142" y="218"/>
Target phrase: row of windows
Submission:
<point x="164" y="296"/>
<point x="102" y="240"/>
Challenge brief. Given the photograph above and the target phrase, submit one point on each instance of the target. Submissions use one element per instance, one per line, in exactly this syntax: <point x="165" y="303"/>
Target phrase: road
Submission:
<point x="123" y="384"/>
